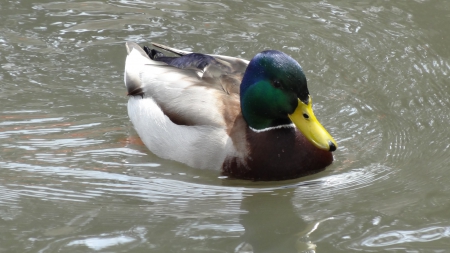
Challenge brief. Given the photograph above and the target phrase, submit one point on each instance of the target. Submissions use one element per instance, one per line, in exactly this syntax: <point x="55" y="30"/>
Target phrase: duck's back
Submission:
<point x="184" y="107"/>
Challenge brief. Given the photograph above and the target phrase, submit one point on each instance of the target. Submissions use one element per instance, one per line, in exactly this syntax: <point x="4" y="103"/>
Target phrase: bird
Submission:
<point x="250" y="120"/>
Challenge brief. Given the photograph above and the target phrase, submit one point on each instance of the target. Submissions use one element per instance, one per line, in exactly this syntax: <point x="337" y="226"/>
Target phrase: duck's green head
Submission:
<point x="274" y="92"/>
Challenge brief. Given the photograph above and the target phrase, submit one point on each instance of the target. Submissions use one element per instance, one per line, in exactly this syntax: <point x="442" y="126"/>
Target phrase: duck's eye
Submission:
<point x="306" y="116"/>
<point x="276" y="84"/>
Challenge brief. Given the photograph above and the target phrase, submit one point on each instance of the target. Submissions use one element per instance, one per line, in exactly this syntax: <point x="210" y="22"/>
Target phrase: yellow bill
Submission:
<point x="305" y="120"/>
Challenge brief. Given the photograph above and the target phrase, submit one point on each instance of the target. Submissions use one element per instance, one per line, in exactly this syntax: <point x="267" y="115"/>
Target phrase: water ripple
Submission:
<point x="9" y="204"/>
<point x="396" y="237"/>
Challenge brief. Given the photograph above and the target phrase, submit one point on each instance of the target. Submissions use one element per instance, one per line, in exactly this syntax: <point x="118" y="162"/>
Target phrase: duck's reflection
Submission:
<point x="272" y="225"/>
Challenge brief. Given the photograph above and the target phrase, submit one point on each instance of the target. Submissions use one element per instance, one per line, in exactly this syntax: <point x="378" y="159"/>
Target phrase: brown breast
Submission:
<point x="276" y="154"/>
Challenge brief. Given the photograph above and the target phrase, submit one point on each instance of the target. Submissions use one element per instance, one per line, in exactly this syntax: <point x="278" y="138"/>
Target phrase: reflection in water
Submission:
<point x="272" y="224"/>
<point x="265" y="219"/>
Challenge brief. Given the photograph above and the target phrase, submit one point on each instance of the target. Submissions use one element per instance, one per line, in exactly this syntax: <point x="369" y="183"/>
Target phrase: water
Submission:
<point x="74" y="176"/>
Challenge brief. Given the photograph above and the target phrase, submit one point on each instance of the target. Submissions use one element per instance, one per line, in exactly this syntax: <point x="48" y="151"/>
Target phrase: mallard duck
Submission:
<point x="249" y="120"/>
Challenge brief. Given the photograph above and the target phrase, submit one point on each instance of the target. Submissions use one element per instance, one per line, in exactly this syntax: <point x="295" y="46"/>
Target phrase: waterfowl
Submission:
<point x="247" y="119"/>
